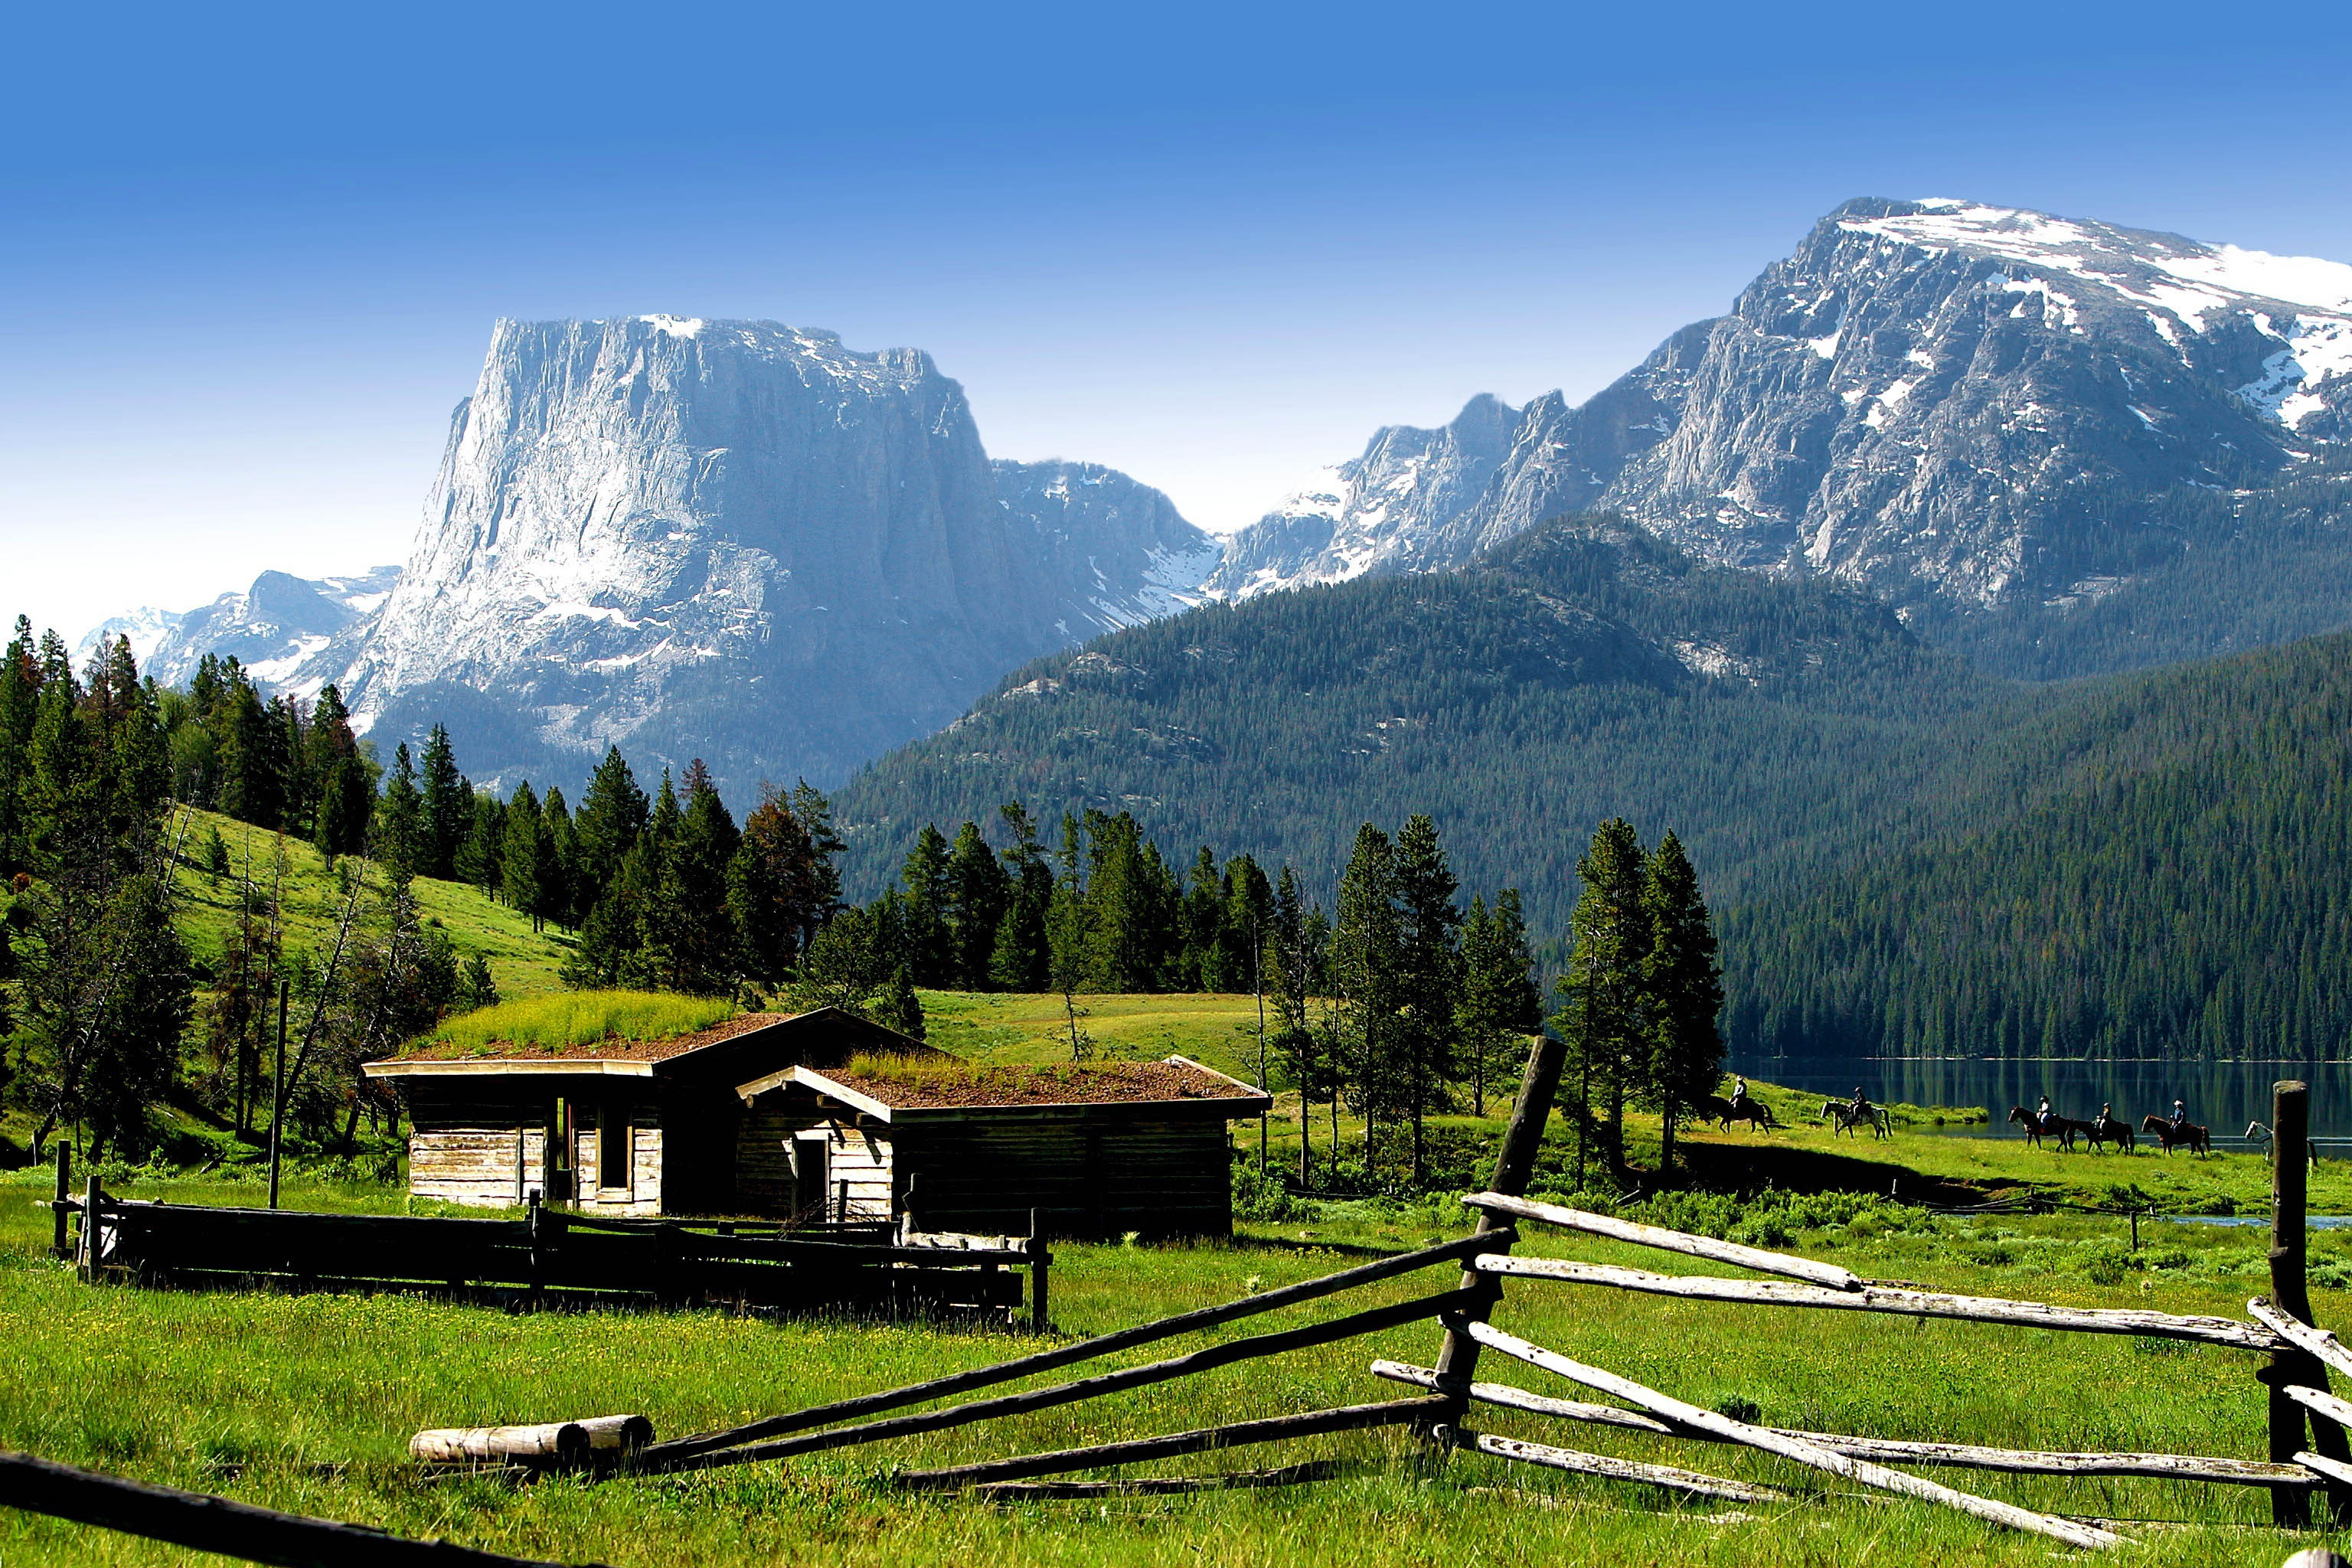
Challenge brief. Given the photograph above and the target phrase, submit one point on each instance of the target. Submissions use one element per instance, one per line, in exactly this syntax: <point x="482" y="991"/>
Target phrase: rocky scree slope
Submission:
<point x="741" y="541"/>
<point x="1961" y="408"/>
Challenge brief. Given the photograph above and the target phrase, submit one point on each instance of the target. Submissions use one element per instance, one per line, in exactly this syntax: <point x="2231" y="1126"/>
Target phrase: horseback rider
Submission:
<point x="2106" y="1111"/>
<point x="1860" y="1105"/>
<point x="1738" y="1092"/>
<point x="2180" y="1116"/>
<point x="2044" y="1115"/>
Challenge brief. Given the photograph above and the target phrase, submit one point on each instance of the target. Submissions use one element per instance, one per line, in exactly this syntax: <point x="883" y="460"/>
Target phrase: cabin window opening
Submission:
<point x="612" y="1146"/>
<point x="810" y="1175"/>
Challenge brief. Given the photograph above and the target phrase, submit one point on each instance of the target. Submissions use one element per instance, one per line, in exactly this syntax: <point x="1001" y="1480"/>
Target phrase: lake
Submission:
<point x="2221" y="1095"/>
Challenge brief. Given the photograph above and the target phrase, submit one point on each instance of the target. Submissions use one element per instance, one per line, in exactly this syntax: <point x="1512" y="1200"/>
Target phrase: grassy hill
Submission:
<point x="522" y="962"/>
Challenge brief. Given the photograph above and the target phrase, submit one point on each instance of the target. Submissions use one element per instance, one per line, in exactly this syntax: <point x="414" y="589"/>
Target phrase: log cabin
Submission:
<point x="822" y="1117"/>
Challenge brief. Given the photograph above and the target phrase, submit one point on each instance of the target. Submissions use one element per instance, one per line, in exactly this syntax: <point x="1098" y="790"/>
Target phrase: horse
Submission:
<point x="1755" y="1113"/>
<point x="2259" y="1134"/>
<point x="2113" y="1129"/>
<point x="2059" y="1128"/>
<point x="1847" y="1118"/>
<point x="2199" y="1140"/>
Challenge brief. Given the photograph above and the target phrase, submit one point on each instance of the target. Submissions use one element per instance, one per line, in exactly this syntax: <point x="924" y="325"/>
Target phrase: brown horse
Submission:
<point x="2196" y="1140"/>
<point x="2063" y="1128"/>
<point x="2115" y="1130"/>
<point x="1755" y="1113"/>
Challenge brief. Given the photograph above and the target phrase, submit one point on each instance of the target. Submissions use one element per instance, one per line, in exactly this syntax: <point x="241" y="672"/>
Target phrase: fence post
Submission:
<point x="1040" y="1262"/>
<point x="89" y="1200"/>
<point x="59" y="1209"/>
<point x="2290" y="1294"/>
<point x="1514" y="1161"/>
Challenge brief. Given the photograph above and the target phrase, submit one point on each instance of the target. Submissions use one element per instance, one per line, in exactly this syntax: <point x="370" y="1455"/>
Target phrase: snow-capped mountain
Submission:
<point x="1957" y="405"/>
<point x="741" y="541"/>
<point x="272" y="628"/>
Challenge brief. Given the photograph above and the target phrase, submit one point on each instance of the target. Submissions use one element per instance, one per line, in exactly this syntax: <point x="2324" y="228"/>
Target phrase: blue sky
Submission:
<point x="254" y="253"/>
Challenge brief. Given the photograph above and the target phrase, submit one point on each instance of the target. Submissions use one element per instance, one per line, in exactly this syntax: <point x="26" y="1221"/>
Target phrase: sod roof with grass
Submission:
<point x="581" y="1025"/>
<point x="940" y="1083"/>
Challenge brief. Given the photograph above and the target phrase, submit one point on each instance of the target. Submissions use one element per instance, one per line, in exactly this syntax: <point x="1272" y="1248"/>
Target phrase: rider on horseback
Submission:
<point x="1738" y="1092"/>
<point x="2180" y="1116"/>
<point x="1860" y="1104"/>
<point x="2044" y="1115"/>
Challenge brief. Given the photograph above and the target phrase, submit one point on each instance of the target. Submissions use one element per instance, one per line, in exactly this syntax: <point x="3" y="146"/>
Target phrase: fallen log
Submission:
<point x="2227" y="1332"/>
<point x="1206" y="1359"/>
<point x="1135" y="1451"/>
<point x="1888" y="1451"/>
<point x="2320" y="1343"/>
<point x="663" y="1454"/>
<point x="1802" y="1451"/>
<point x="1576" y="1462"/>
<point x="207" y="1523"/>
<point x="1664" y="1240"/>
<point x="1158" y="1486"/>
<point x="542" y="1443"/>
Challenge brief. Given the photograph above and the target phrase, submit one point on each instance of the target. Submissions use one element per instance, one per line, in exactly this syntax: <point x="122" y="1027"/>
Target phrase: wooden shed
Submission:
<point x="618" y="1127"/>
<point x="1097" y="1150"/>
<point x="822" y="1117"/>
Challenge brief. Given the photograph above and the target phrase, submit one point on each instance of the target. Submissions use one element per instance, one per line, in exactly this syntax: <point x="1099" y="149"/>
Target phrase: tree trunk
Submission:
<point x="1666" y="1138"/>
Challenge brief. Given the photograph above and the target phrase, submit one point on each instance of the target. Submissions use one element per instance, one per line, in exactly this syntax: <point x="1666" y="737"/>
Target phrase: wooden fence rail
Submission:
<point x="208" y="1523"/>
<point x="1887" y="1450"/>
<point x="1908" y="1303"/>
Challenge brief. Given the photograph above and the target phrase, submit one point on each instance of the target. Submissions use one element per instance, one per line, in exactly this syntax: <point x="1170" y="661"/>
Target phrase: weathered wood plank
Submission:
<point x="1576" y="1462"/>
<point x="2226" y="1331"/>
<point x="1207" y="1358"/>
<point x="1082" y="1351"/>
<point x="1234" y="1434"/>
<point x="1796" y="1449"/>
<point x="1961" y="1455"/>
<point x="1828" y="1274"/>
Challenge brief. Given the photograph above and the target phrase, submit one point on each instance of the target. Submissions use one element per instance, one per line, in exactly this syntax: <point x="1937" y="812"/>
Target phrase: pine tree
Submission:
<point x="1605" y="1020"/>
<point x="445" y="820"/>
<point x="523" y="853"/>
<point x="1235" y="959"/>
<point x="556" y="874"/>
<point x="898" y="1008"/>
<point x="928" y="937"/>
<point x="814" y="814"/>
<point x="1294" y="964"/>
<point x="20" y="699"/>
<point x="1022" y="957"/>
<point x="696" y="934"/>
<point x="978" y="897"/>
<point x="400" y="817"/>
<point x="345" y="792"/>
<point x="1429" y="976"/>
<point x="1500" y="1006"/>
<point x="1682" y="986"/>
<point x="611" y="817"/>
<point x="478" y="858"/>
<point x="773" y="890"/>
<point x="1069" y="936"/>
<point x="1364" y="979"/>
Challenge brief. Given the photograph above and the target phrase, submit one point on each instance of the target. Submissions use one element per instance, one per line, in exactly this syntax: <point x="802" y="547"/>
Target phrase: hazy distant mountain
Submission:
<point x="739" y="540"/>
<point x="272" y="628"/>
<point x="1960" y="407"/>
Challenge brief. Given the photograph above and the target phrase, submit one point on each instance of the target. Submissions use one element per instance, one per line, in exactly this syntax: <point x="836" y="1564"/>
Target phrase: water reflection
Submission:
<point x="2221" y="1095"/>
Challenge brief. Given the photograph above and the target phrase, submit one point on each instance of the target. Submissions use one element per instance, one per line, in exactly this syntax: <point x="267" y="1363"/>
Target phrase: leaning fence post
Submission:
<point x="1514" y="1163"/>
<point x="63" y="1205"/>
<point x="2290" y="1294"/>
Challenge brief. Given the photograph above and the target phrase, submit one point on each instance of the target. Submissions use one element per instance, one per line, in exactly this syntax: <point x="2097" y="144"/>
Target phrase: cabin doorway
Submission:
<point x="811" y="1168"/>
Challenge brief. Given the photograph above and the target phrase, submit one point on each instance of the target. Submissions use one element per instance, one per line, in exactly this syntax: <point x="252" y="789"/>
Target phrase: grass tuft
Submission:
<point x="579" y="1018"/>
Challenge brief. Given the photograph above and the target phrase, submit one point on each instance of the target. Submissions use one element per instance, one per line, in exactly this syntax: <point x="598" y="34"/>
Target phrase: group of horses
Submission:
<point x="1759" y="1118"/>
<point x="2063" y="1131"/>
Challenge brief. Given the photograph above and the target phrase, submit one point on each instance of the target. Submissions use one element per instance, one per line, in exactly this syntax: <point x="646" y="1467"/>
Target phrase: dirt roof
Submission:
<point x="609" y="1049"/>
<point x="1090" y="1083"/>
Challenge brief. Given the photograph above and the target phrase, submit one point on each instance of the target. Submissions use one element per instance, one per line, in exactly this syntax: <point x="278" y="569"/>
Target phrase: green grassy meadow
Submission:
<point x="305" y="1402"/>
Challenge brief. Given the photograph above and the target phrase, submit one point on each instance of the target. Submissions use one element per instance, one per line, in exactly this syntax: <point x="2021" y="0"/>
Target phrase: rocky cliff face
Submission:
<point x="1960" y="407"/>
<point x="739" y="540"/>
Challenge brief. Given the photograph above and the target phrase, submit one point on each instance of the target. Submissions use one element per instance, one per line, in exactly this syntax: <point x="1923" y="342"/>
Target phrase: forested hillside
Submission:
<point x="2157" y="868"/>
<point x="1907" y="855"/>
<point x="1582" y="671"/>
